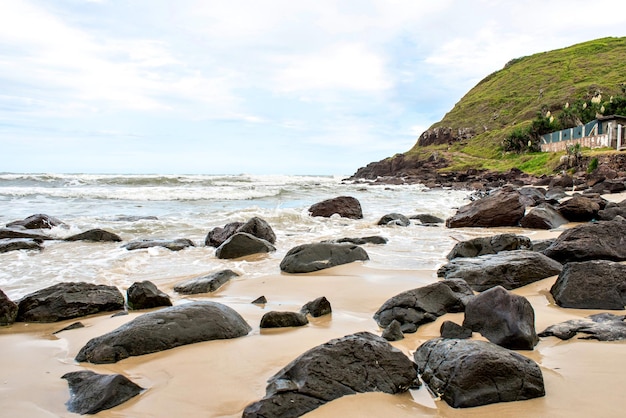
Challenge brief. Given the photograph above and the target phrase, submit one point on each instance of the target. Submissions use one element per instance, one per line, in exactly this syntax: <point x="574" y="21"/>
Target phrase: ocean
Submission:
<point x="189" y="206"/>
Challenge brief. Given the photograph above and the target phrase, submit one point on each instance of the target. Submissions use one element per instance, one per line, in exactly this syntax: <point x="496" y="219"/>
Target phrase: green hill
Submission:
<point x="471" y="134"/>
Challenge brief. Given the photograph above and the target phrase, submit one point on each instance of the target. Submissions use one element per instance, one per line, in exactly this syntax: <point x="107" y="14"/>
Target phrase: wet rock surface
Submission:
<point x="601" y="327"/>
<point x="307" y="258"/>
<point x="91" y="393"/>
<point x="205" y="284"/>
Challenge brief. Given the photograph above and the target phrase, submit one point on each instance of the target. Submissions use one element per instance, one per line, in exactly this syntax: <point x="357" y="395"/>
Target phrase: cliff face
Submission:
<point x="444" y="135"/>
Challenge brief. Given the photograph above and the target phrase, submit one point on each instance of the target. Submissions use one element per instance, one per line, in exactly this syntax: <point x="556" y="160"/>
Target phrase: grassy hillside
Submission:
<point x="512" y="97"/>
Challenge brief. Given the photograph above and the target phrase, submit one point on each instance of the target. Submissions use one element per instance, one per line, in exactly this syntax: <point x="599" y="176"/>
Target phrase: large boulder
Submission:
<point x="579" y="209"/>
<point x="594" y="284"/>
<point x="164" y="329"/>
<point x="601" y="327"/>
<point x="502" y="208"/>
<point x="356" y="363"/>
<point x="91" y="393"/>
<point x="532" y="196"/>
<point x="218" y="235"/>
<point x="242" y="244"/>
<point x="591" y="241"/>
<point x="344" y="206"/>
<point x="468" y="373"/>
<point x="503" y="318"/>
<point x="254" y="226"/>
<point x="205" y="284"/>
<point x="69" y="300"/>
<point x="416" y="307"/>
<point x="145" y="295"/>
<point x="489" y="245"/>
<point x="611" y="211"/>
<point x="307" y="258"/>
<point x="37" y="221"/>
<point x="8" y="310"/>
<point x="509" y="269"/>
<point x="543" y="216"/>
<point x="172" y="245"/>
<point x="14" y="244"/>
<point x="95" y="235"/>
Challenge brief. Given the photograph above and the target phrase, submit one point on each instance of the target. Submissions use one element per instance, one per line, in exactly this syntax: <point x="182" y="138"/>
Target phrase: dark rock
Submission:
<point x="132" y="218"/>
<point x="145" y="295"/>
<point x="217" y="236"/>
<point x="579" y="209"/>
<point x="468" y="373"/>
<point x="15" y="244"/>
<point x="96" y="235"/>
<point x="8" y="310"/>
<point x="344" y="206"/>
<point x="172" y="245"/>
<point x="356" y="363"/>
<point x="242" y="244"/>
<point x="532" y="196"/>
<point x="503" y="208"/>
<point x="394" y="219"/>
<point x="427" y="219"/>
<point x="451" y="329"/>
<point x="393" y="332"/>
<point x="416" y="307"/>
<point x="543" y="216"/>
<point x="540" y="245"/>
<point x="74" y="325"/>
<point x="595" y="284"/>
<point x="374" y="239"/>
<point x="601" y="327"/>
<point x="503" y="318"/>
<point x="205" y="284"/>
<point x="37" y="221"/>
<point x="610" y="212"/>
<point x="164" y="329"/>
<point x="316" y="308"/>
<point x="555" y="194"/>
<point x="6" y="233"/>
<point x="509" y="269"/>
<point x="608" y="187"/>
<point x="258" y="228"/>
<point x="275" y="319"/>
<point x="591" y="241"/>
<point x="307" y="258"/>
<point x="489" y="245"/>
<point x="564" y="181"/>
<point x="69" y="300"/>
<point x="261" y="300"/>
<point x="91" y="393"/>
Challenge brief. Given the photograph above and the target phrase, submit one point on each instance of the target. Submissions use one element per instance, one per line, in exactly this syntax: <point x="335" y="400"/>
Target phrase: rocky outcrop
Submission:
<point x="205" y="284"/>
<point x="14" y="244"/>
<point x="69" y="300"/>
<point x="396" y="219"/>
<point x="601" y="327"/>
<point x="502" y="208"/>
<point x="307" y="258"/>
<point x="344" y="206"/>
<point x="172" y="245"/>
<point x="502" y="317"/>
<point x="95" y="235"/>
<point x="416" y="307"/>
<point x="8" y="310"/>
<point x="444" y="135"/>
<point x="242" y="244"/>
<point x="164" y="329"/>
<point x="91" y="393"/>
<point x="509" y="269"/>
<point x="316" y="308"/>
<point x="468" y="373"/>
<point x="489" y="245"/>
<point x="543" y="216"/>
<point x="276" y="319"/>
<point x="37" y="221"/>
<point x="595" y="284"/>
<point x="145" y="295"/>
<point x="356" y="363"/>
<point x="591" y="241"/>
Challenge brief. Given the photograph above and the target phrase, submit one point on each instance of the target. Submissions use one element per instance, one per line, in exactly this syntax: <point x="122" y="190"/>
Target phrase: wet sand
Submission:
<point x="219" y="378"/>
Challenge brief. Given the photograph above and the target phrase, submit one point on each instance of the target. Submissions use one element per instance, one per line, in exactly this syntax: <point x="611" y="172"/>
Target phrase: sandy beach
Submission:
<point x="219" y="378"/>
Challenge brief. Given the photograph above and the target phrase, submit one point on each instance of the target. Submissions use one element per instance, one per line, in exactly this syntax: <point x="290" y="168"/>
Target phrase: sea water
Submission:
<point x="189" y="206"/>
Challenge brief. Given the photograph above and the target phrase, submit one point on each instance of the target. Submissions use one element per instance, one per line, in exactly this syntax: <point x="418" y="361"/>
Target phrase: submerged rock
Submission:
<point x="164" y="329"/>
<point x="14" y="244"/>
<point x="37" y="221"/>
<point x="468" y="373"/>
<point x="307" y="258"/>
<point x="69" y="300"/>
<point x="601" y="327"/>
<point x="172" y="245"/>
<point x="396" y="219"/>
<point x="91" y="393"/>
<point x="95" y="235"/>
<point x="205" y="284"/>
<point x="374" y="239"/>
<point x="356" y="363"/>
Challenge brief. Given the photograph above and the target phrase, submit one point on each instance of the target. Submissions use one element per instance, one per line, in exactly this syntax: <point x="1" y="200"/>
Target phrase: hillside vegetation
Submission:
<point x="512" y="97"/>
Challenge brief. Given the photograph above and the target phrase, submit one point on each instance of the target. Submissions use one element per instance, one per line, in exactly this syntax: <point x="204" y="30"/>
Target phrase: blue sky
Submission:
<point x="259" y="87"/>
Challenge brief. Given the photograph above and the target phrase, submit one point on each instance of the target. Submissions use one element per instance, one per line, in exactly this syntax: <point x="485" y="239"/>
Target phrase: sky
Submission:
<point x="259" y="87"/>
